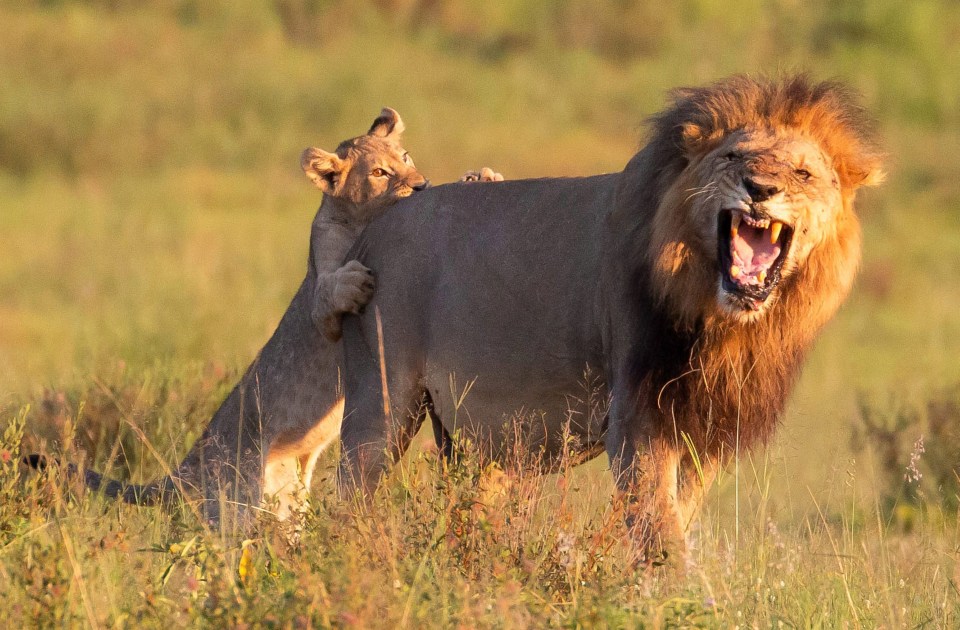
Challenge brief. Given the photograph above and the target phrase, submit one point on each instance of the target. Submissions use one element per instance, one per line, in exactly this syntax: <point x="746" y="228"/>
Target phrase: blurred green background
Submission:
<point x="154" y="221"/>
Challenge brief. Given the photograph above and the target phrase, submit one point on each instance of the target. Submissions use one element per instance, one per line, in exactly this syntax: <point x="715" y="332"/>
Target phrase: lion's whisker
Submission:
<point x="707" y="188"/>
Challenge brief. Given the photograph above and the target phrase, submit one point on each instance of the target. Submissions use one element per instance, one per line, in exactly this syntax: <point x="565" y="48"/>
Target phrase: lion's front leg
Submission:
<point x="694" y="484"/>
<point x="346" y="290"/>
<point x="656" y="508"/>
<point x="646" y="471"/>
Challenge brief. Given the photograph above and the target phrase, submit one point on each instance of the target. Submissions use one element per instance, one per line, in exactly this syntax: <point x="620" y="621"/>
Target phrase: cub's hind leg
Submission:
<point x="292" y="459"/>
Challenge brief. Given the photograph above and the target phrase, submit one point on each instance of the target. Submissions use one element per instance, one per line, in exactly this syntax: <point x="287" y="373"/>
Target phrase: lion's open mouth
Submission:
<point x="752" y="251"/>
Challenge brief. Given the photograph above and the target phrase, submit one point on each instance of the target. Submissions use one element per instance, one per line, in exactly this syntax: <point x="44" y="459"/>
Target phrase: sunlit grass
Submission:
<point x="154" y="225"/>
<point x="464" y="546"/>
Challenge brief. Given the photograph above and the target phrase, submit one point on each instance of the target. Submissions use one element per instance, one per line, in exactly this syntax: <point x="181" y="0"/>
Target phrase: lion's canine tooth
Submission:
<point x="762" y="277"/>
<point x="734" y="271"/>
<point x="775" y="232"/>
<point x="734" y="223"/>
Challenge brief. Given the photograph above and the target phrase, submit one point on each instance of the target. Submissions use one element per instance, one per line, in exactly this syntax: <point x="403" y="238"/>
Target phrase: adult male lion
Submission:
<point x="692" y="283"/>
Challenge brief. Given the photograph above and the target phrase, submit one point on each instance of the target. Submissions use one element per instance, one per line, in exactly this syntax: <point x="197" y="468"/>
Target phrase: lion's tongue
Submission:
<point x="752" y="251"/>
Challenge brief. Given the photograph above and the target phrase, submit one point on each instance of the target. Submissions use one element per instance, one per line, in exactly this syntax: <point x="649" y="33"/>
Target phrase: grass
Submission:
<point x="459" y="548"/>
<point x="153" y="227"/>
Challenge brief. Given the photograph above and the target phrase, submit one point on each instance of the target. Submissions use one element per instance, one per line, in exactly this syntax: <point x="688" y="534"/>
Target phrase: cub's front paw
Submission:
<point x="346" y="290"/>
<point x="486" y="174"/>
<point x="353" y="286"/>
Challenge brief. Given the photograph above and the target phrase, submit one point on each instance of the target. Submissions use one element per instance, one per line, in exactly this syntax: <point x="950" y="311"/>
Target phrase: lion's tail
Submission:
<point x="149" y="494"/>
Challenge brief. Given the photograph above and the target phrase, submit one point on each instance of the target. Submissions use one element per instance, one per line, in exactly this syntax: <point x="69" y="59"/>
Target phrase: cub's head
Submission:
<point x="764" y="191"/>
<point x="369" y="172"/>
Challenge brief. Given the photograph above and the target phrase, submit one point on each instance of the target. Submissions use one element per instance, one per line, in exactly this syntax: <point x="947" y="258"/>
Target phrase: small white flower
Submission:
<point x="913" y="472"/>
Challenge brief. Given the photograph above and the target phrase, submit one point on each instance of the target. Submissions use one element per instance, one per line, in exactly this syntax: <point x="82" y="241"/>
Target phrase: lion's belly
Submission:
<point x="529" y="379"/>
<point x="512" y="407"/>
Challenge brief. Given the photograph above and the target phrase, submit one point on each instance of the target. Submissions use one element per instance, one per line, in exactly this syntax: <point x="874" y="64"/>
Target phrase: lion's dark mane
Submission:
<point x="725" y="384"/>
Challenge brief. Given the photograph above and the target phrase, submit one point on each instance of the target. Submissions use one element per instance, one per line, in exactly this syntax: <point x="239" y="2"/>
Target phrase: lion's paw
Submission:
<point x="346" y="290"/>
<point x="486" y="174"/>
<point x="353" y="286"/>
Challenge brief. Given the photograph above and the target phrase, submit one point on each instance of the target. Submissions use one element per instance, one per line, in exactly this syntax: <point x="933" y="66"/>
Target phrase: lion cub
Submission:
<point x="360" y="180"/>
<point x="264" y="440"/>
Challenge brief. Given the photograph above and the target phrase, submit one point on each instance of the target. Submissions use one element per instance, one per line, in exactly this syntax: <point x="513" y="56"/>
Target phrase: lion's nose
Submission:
<point x="422" y="185"/>
<point x="759" y="192"/>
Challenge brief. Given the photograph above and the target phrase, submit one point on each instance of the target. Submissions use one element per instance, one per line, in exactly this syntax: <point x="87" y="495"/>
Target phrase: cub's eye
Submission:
<point x="803" y="174"/>
<point x="406" y="158"/>
<point x="733" y="155"/>
<point x="378" y="172"/>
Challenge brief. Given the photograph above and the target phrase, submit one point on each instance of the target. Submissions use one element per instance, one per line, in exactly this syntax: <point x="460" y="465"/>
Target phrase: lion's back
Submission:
<point x="477" y="232"/>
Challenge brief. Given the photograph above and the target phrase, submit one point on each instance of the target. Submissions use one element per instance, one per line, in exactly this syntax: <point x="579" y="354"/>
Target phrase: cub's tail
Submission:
<point x="154" y="493"/>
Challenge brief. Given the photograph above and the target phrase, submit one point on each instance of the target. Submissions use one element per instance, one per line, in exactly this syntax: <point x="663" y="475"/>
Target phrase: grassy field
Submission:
<point x="154" y="226"/>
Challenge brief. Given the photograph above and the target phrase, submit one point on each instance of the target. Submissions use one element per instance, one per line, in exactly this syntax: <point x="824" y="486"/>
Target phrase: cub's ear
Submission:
<point x="323" y="169"/>
<point x="387" y="124"/>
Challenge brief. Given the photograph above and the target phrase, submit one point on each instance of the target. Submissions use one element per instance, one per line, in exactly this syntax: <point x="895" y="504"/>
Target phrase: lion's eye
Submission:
<point x="406" y="158"/>
<point x="733" y="155"/>
<point x="378" y="172"/>
<point x="803" y="174"/>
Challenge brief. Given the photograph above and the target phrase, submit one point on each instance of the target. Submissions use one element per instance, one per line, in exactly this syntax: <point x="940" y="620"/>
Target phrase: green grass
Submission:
<point x="154" y="226"/>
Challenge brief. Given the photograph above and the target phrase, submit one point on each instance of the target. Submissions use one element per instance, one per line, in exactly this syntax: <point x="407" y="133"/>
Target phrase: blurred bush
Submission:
<point x="917" y="452"/>
<point x="103" y="422"/>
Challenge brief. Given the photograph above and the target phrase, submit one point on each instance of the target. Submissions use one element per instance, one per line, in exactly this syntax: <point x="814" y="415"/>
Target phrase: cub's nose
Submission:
<point x="422" y="185"/>
<point x="759" y="192"/>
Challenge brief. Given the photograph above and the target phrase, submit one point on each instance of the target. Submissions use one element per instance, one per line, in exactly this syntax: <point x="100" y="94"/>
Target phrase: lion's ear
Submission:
<point x="323" y="169"/>
<point x="691" y="133"/>
<point x="866" y="170"/>
<point x="872" y="176"/>
<point x="387" y="124"/>
<point x="693" y="137"/>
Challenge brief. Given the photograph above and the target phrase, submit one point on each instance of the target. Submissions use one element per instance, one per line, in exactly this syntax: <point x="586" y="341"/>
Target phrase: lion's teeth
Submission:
<point x="734" y="224"/>
<point x="762" y="277"/>
<point x="734" y="271"/>
<point x="775" y="232"/>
